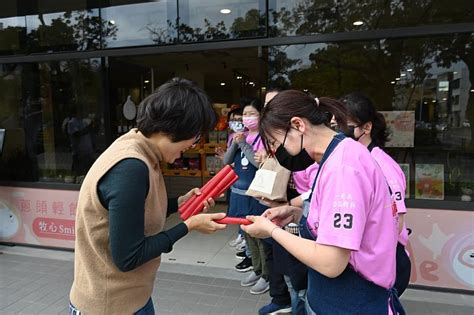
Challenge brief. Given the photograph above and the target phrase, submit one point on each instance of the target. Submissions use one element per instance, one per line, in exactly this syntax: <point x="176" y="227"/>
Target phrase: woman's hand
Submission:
<point x="283" y="215"/>
<point x="204" y="222"/>
<point x="208" y="204"/>
<point x="239" y="137"/>
<point x="260" y="156"/>
<point x="261" y="227"/>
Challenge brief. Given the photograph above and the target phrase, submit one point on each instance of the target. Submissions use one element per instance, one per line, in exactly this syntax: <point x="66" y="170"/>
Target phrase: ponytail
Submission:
<point x="379" y="133"/>
<point x="334" y="107"/>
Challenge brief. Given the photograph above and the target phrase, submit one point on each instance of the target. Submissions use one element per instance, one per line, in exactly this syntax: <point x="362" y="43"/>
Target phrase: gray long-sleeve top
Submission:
<point x="245" y="147"/>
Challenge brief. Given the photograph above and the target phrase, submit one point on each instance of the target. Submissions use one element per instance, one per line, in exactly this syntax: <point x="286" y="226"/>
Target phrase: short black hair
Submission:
<point x="179" y="108"/>
<point x="236" y="111"/>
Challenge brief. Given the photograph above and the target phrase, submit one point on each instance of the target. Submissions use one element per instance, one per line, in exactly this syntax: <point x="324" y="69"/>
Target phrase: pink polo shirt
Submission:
<point x="351" y="208"/>
<point x="258" y="145"/>
<point x="304" y="179"/>
<point x="397" y="182"/>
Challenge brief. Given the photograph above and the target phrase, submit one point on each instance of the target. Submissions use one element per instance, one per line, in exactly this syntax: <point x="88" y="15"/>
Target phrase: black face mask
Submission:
<point x="350" y="133"/>
<point x="293" y="163"/>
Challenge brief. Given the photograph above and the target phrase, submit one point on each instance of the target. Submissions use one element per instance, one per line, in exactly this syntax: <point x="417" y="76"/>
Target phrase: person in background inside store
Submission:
<point x="368" y="127"/>
<point x="81" y="142"/>
<point x="242" y="155"/>
<point x="348" y="229"/>
<point x="123" y="204"/>
<point x="234" y="118"/>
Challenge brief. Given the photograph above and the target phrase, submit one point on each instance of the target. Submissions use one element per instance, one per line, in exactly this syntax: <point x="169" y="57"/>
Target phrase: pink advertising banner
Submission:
<point x="38" y="216"/>
<point x="441" y="243"/>
<point x="441" y="247"/>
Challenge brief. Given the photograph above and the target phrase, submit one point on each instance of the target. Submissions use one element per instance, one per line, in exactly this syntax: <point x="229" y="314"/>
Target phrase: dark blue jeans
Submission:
<point x="148" y="309"/>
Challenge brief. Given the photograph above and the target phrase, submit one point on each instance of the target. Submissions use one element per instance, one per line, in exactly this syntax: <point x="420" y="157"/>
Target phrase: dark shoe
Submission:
<point x="245" y="265"/>
<point x="240" y="255"/>
<point x="272" y="308"/>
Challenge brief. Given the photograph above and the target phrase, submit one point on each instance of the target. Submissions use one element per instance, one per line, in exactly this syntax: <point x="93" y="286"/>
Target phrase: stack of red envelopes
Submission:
<point x="212" y="189"/>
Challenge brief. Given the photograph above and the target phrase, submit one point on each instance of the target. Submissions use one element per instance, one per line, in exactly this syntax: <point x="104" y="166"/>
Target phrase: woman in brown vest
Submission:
<point x="123" y="204"/>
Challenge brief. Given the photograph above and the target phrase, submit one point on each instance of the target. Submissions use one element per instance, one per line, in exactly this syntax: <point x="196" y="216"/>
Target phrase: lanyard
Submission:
<point x="334" y="142"/>
<point x="253" y="143"/>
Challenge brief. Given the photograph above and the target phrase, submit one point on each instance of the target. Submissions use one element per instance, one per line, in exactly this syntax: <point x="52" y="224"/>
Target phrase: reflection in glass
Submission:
<point x="219" y="20"/>
<point x="12" y="28"/>
<point x="12" y="34"/>
<point x="306" y="17"/>
<point x="430" y="78"/>
<point x="52" y="119"/>
<point x="68" y="25"/>
<point x="140" y="22"/>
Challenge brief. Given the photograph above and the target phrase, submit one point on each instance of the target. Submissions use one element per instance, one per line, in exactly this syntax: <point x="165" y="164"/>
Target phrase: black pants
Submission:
<point x="278" y="289"/>
<point x="403" y="270"/>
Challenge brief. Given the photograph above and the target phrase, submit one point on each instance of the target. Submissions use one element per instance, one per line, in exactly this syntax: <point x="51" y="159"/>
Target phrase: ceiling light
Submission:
<point x="357" y="23"/>
<point x="225" y="11"/>
<point x="305" y="90"/>
<point x="393" y="82"/>
<point x="251" y="83"/>
<point x="147" y="81"/>
<point x="472" y="90"/>
<point x="455" y="72"/>
<point x="433" y="101"/>
<point x="112" y="22"/>
<point x="222" y="83"/>
<point x="239" y="77"/>
<point x="403" y="74"/>
<point x="445" y="99"/>
<point x="397" y="79"/>
<point x="410" y="70"/>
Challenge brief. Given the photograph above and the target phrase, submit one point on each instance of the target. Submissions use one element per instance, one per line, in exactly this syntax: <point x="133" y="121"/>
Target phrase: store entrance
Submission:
<point x="226" y="76"/>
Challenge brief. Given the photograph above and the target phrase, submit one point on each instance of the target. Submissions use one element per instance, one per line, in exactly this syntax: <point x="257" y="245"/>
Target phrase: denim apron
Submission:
<point x="241" y="205"/>
<point x="349" y="293"/>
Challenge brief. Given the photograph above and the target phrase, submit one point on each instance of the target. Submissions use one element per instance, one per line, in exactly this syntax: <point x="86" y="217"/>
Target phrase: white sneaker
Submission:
<point x="241" y="246"/>
<point x="236" y="241"/>
<point x="250" y="280"/>
<point x="260" y="287"/>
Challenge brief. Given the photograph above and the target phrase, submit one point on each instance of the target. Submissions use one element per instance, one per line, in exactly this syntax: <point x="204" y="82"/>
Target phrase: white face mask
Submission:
<point x="236" y="126"/>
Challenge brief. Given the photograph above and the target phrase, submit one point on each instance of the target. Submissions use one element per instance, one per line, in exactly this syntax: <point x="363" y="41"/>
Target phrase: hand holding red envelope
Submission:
<point x="212" y="189"/>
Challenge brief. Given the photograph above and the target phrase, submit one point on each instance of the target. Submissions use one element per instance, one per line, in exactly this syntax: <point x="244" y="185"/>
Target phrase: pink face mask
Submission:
<point x="251" y="122"/>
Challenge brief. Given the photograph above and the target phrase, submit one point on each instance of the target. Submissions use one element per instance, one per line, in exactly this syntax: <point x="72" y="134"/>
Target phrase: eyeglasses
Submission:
<point x="286" y="133"/>
<point x="197" y="139"/>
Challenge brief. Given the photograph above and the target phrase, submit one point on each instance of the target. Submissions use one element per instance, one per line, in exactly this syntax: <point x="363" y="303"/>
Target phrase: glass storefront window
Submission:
<point x="309" y="17"/>
<point x="139" y="23"/>
<point x="65" y="25"/>
<point x="52" y="116"/>
<point x="12" y="28"/>
<point x="425" y="88"/>
<point x="220" y="20"/>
